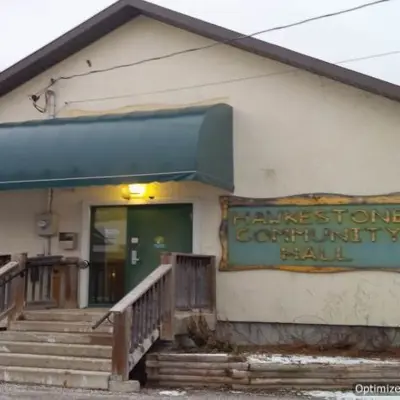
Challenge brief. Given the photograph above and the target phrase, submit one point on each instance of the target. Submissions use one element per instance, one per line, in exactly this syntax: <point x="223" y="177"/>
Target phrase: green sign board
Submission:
<point x="313" y="233"/>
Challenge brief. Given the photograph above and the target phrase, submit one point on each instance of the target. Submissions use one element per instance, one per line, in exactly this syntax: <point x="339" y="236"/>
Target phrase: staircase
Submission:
<point x="58" y="348"/>
<point x="49" y="341"/>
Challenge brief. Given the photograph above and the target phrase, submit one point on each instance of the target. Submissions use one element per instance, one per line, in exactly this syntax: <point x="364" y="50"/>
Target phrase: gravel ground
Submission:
<point x="13" y="392"/>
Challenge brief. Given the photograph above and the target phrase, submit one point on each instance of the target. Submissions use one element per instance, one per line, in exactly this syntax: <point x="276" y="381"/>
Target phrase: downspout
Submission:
<point x="51" y="105"/>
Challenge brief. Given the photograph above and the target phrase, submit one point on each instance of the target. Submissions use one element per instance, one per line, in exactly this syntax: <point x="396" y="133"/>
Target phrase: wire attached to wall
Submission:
<point x="210" y="84"/>
<point x="36" y="97"/>
<point x="47" y="95"/>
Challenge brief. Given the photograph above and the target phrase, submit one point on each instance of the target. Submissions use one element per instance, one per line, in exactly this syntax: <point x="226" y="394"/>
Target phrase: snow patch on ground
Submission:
<point x="331" y="395"/>
<point x="343" y="396"/>
<point x="303" y="359"/>
<point x="171" y="393"/>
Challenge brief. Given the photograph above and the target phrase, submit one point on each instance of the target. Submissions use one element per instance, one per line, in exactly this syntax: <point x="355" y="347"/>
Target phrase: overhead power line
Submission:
<point x="377" y="55"/>
<point x="215" y="44"/>
<point x="216" y="83"/>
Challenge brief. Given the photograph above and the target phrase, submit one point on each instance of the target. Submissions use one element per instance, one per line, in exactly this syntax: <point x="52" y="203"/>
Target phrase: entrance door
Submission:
<point x="126" y="244"/>
<point x="152" y="230"/>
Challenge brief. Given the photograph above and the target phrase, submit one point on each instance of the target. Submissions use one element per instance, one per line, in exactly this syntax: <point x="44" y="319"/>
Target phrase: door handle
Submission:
<point x="134" y="258"/>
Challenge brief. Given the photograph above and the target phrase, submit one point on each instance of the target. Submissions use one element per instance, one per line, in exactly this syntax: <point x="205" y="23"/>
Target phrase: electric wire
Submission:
<point x="220" y="82"/>
<point x="37" y="95"/>
<point x="372" y="56"/>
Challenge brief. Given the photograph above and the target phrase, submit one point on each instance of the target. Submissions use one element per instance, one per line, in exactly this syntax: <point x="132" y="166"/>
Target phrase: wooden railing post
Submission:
<point x="213" y="284"/>
<point x="18" y="287"/>
<point x="121" y="345"/>
<point x="71" y="286"/>
<point x="165" y="258"/>
<point x="20" y="295"/>
<point x="145" y="314"/>
<point x="169" y="299"/>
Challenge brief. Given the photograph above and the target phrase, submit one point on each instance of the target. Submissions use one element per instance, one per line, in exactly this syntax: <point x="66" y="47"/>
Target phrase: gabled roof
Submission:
<point x="126" y="10"/>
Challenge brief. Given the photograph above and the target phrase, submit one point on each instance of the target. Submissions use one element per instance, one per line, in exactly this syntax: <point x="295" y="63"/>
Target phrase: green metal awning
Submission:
<point x="191" y="144"/>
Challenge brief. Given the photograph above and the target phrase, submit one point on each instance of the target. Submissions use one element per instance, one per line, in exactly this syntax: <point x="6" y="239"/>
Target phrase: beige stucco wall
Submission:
<point x="294" y="133"/>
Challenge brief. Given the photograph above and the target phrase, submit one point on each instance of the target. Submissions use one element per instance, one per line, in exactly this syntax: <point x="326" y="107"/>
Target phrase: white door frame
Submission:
<point x="83" y="289"/>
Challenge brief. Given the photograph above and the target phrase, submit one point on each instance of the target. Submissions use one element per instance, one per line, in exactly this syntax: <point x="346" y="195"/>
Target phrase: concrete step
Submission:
<point x="56" y="349"/>
<point x="93" y="310"/>
<point x="88" y="316"/>
<point x="56" y="362"/>
<point x="101" y="339"/>
<point x="55" y="326"/>
<point x="55" y="377"/>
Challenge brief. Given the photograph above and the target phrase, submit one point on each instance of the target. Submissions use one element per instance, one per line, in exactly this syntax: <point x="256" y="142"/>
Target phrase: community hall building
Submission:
<point x="144" y="131"/>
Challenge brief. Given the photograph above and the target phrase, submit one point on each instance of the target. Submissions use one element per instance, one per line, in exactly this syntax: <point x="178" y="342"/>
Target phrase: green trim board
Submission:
<point x="311" y="233"/>
<point x="190" y="144"/>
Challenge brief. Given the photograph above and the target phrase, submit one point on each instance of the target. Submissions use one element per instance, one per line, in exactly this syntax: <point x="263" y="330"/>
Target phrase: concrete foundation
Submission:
<point x="335" y="336"/>
<point x="123" y="386"/>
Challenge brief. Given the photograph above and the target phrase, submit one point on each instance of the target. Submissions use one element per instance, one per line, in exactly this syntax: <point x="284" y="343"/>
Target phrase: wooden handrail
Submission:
<point x="43" y="261"/>
<point x="38" y="282"/>
<point x="136" y="293"/>
<point x="141" y="288"/>
<point x="145" y="314"/>
<point x="5" y="269"/>
<point x="42" y="281"/>
<point x="12" y="290"/>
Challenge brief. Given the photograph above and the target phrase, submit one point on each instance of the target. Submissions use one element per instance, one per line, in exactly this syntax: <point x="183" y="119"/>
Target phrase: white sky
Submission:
<point x="27" y="25"/>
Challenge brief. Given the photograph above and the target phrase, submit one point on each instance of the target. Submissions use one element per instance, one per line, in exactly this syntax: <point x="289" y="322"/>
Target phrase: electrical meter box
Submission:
<point x="68" y="240"/>
<point x="46" y="224"/>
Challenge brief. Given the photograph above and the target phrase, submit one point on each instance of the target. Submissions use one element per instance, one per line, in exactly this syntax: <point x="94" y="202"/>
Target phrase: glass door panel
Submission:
<point x="107" y="254"/>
